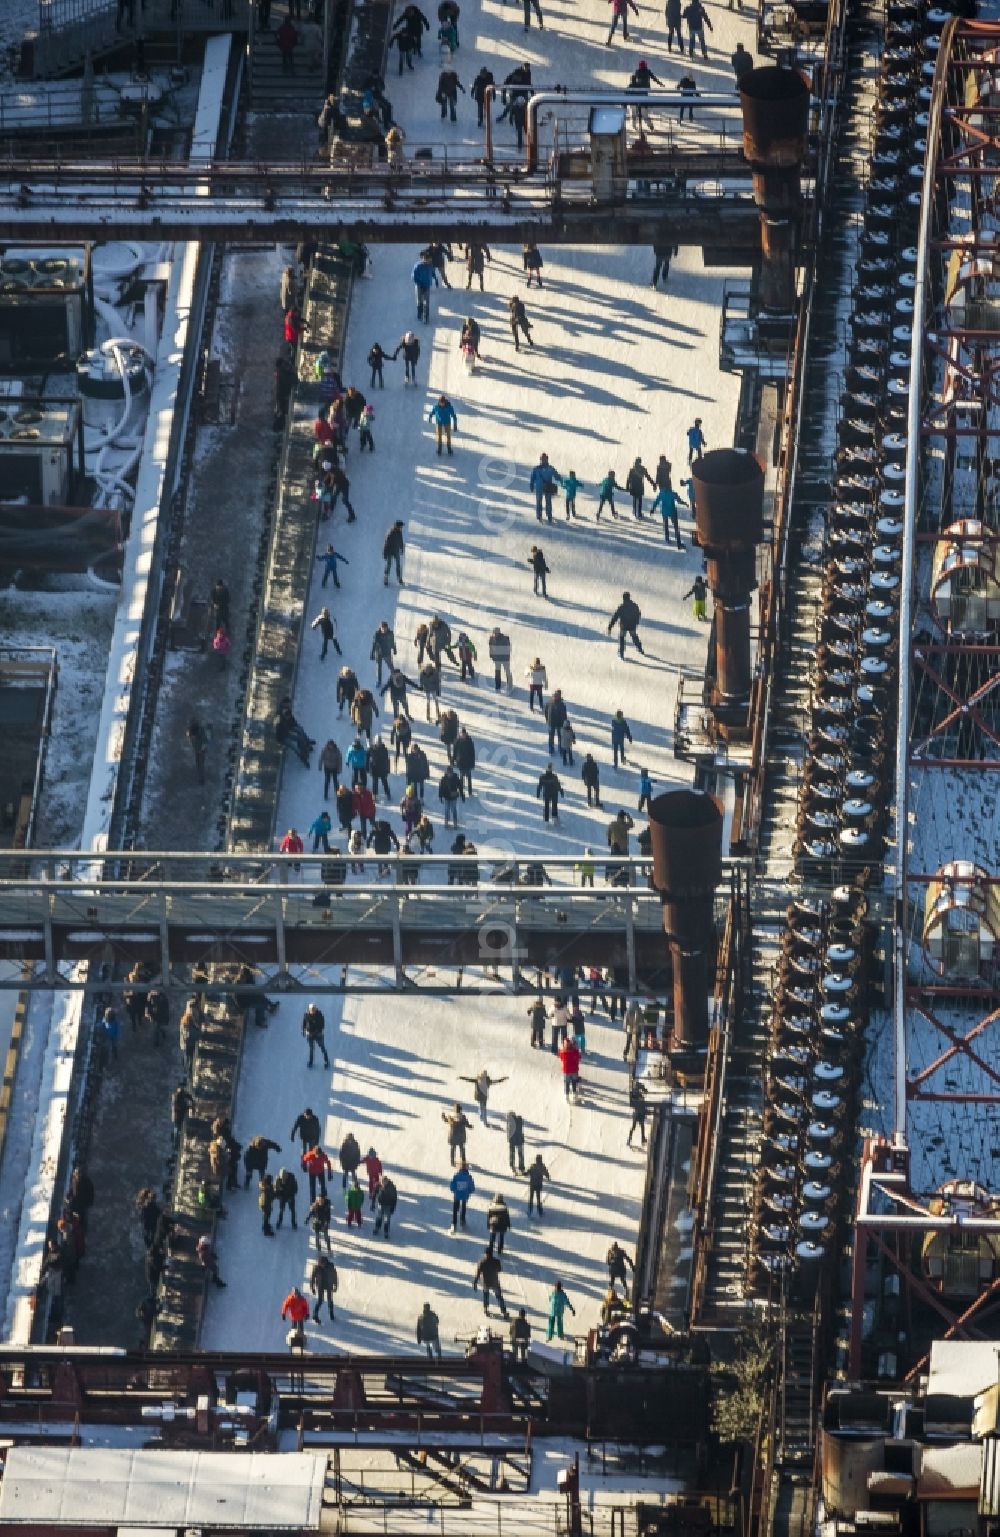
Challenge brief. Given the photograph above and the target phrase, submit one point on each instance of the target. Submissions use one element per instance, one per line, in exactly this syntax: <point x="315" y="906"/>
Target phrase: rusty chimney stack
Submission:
<point x="686" y="830"/>
<point x="729" y="516"/>
<point x="775" y="106"/>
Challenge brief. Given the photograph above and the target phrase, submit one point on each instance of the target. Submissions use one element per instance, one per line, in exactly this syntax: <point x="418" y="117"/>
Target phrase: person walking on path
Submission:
<point x="673" y="18"/>
<point x="519" y="326"/>
<point x="538" y="1174"/>
<point x="377" y="359"/>
<point x="424" y="277"/>
<point x="699" y="592"/>
<point x="295" y="1308"/>
<point x="448" y="87"/>
<point x="442" y="414"/>
<point x="531" y="260"/>
<point x="463" y="1188"/>
<point x="529" y="6"/>
<point x="488" y="1273"/>
<point x="458" y="1126"/>
<point x="208" y="1259"/>
<point x="354" y="1202"/>
<point x="548" y="792"/>
<point x="666" y="504"/>
<point x="543" y="481"/>
<point x="327" y="627"/>
<point x="618" y="831"/>
<point x="626" y="616"/>
<point x="537" y="1016"/>
<point x="323" y="1283"/>
<point x="696" y="441"/>
<point x="499" y="647"/>
<point x="287" y="39"/>
<point x="307" y="1128"/>
<point x="635" y="485"/>
<point x="606" y="495"/>
<point x="520" y="1337"/>
<point x="515" y="1129"/>
<point x="540" y="570"/>
<point x="449" y="794"/>
<point x="464" y="760"/>
<point x="331" y="559"/>
<point x="616" y="1260"/>
<point x="385" y="1204"/>
<point x="409" y="346"/>
<point x="687" y="87"/>
<point x="316" y="1164"/>
<point x="556" y="715"/>
<point x="645" y="789"/>
<point x="350" y="1158"/>
<point x="619" y="13"/>
<point x="569" y="1060"/>
<point x="482" y="1083"/>
<point x="331" y="762"/>
<point x="639" y="1106"/>
<point x="478" y="90"/>
<point x="429" y="1332"/>
<point x="476" y="257"/>
<point x="741" y="60"/>
<point x="571" y="485"/>
<point x="318" y="1217"/>
<point x="497" y="1223"/>
<point x="392" y="554"/>
<point x="255" y="1157"/>
<point x="286" y="1188"/>
<point x="697" y="19"/>
<point x="538" y="679"/>
<point x="313" y="1027"/>
<point x="265" y="1200"/>
<point x="590" y="773"/>
<point x="621" y="732"/>
<point x="558" y="1303"/>
<point x="632" y="1026"/>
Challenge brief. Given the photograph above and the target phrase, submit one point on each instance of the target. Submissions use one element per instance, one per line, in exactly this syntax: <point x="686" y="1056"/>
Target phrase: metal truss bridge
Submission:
<point x="293" y="918"/>
<point x="693" y="188"/>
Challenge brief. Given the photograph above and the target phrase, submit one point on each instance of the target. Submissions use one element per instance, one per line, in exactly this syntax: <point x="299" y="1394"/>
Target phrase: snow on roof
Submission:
<point x="77" y="1486"/>
<point x="950" y="1472"/>
<point x="962" y="1368"/>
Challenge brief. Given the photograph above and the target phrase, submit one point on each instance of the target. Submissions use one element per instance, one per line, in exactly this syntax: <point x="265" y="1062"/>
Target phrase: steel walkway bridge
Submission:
<point x="295" y="917"/>
<point x="691" y="182"/>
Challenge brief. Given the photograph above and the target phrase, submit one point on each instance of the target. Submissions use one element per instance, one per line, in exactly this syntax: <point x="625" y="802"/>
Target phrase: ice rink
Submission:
<point x="617" y="370"/>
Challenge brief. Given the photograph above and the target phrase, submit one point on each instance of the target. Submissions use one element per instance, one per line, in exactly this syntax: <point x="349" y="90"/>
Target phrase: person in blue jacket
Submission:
<point x="697" y="442"/>
<point x="424" y="275"/>
<point x="645" y="789"/>
<point x="442" y="414"/>
<point x="544" y="480"/>
<point x="463" y="1186"/>
<point x="357" y="762"/>
<point x="331" y="560"/>
<point x="666" y="504"/>
<point x="620" y="734"/>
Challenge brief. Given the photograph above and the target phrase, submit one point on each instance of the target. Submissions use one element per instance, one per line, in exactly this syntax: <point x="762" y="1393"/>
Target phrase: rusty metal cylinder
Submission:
<point x="733" y="660"/>
<point x="729" y="516"/>
<point x="775" y="105"/>
<point x="686" y="831"/>
<point x="728" y="501"/>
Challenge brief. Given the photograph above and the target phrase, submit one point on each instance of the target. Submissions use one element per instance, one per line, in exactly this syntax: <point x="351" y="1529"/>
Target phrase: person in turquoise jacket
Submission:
<point x="606" y="493"/>
<point x="463" y="1187"/>
<point x="571" y="486"/>
<point x="666" y="504"/>
<point x="558" y="1303"/>
<point x="442" y="414"/>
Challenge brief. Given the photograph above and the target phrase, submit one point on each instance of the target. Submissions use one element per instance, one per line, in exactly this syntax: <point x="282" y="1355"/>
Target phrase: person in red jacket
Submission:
<point x="373" y="1168"/>
<point x="295" y="1307"/>
<point x="569" y="1056"/>
<point x="322" y="429"/>
<point x="317" y="1165"/>
<point x="363" y="802"/>
<point x="294" y="327"/>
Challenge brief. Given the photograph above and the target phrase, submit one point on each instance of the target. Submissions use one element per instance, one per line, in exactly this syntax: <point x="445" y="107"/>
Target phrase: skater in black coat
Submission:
<point x="540" y="570"/>
<point x="549" y="791"/>
<point x="626" y="616"/>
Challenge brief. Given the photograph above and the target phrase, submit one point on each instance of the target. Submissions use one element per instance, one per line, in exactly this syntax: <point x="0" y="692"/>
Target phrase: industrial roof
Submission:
<point x="950" y="1472"/>
<point x="962" y="1368"/>
<point x="81" y="1486"/>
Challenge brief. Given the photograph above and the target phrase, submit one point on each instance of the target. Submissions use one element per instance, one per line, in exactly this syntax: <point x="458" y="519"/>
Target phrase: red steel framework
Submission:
<point x="947" y="719"/>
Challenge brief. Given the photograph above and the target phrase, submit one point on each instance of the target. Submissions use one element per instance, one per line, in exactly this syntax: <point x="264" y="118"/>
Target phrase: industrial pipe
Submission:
<point x="664" y="99"/>
<point x="686" y="831"/>
<point x="775" y="105"/>
<point x="729" y="515"/>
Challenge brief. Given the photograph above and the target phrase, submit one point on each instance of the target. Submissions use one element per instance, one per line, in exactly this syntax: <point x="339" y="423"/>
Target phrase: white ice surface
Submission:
<point x="617" y="371"/>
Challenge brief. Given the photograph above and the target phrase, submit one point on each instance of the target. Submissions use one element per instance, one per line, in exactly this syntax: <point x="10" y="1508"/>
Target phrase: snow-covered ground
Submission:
<point x="617" y="371"/>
